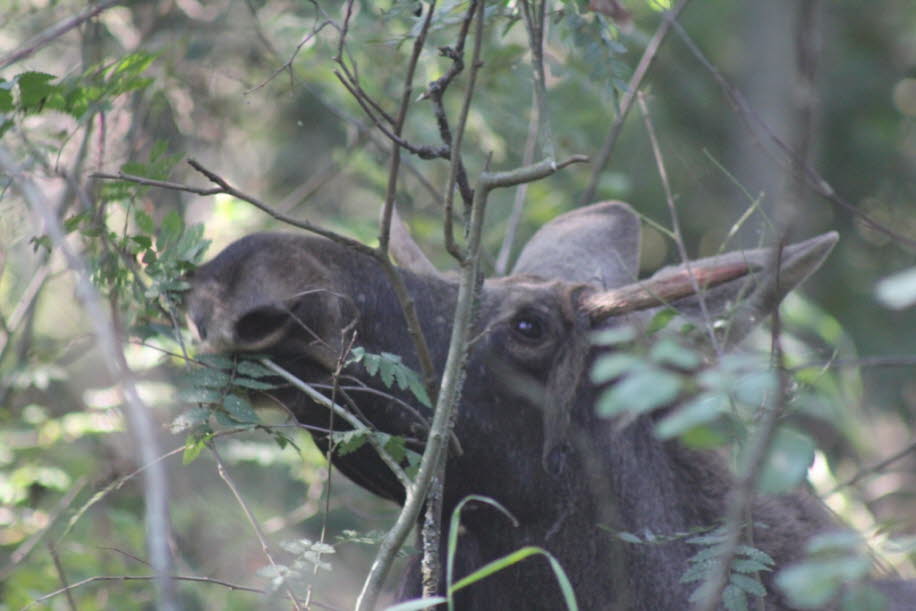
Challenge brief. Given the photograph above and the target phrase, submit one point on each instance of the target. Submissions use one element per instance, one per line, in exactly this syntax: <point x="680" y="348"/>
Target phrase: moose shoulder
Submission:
<point x="526" y="423"/>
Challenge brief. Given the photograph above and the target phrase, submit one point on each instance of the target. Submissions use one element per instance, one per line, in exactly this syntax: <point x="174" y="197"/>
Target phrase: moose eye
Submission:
<point x="529" y="326"/>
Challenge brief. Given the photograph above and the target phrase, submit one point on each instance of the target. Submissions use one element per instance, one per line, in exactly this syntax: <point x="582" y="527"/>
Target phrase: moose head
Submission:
<point x="526" y="423"/>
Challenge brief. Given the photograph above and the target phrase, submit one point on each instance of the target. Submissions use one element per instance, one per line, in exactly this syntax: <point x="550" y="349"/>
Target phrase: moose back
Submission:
<point x="526" y="423"/>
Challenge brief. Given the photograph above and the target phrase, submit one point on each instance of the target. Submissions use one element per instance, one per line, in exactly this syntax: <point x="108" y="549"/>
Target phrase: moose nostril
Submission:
<point x="201" y="327"/>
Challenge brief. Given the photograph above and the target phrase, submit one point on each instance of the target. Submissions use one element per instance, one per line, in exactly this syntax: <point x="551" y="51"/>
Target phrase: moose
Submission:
<point x="529" y="434"/>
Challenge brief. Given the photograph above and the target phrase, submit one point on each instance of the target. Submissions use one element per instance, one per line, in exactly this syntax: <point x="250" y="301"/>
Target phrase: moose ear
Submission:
<point x="405" y="251"/>
<point x="742" y="286"/>
<point x="597" y="244"/>
<point x="262" y="327"/>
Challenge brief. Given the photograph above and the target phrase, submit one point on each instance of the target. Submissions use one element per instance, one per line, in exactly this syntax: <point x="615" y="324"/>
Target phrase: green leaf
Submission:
<point x="206" y="377"/>
<point x="192" y="448"/>
<point x="386" y="371"/>
<point x="734" y="598"/>
<point x="395" y="446"/>
<point x="6" y="96"/>
<point x="660" y="320"/>
<point x="200" y="395"/>
<point x="614" y="336"/>
<point x="34" y="89"/>
<point x="808" y="586"/>
<point x="748" y="566"/>
<point x="611" y="366"/>
<point x="190" y="419"/>
<point x="701" y="410"/>
<point x="371" y="362"/>
<point x="419" y="391"/>
<point x="791" y="454"/>
<point x="145" y="222"/>
<point x="169" y="231"/>
<point x="240" y="410"/>
<point x="252" y="369"/>
<point x="748" y="584"/>
<point x="346" y="442"/>
<point x="667" y="351"/>
<point x="252" y="384"/>
<point x="641" y="391"/>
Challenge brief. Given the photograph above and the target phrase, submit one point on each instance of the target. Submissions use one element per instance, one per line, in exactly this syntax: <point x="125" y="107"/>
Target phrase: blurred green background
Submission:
<point x="231" y="88"/>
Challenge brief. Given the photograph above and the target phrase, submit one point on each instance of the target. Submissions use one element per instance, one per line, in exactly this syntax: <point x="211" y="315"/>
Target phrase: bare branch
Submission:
<point x="265" y="548"/>
<point x="642" y="68"/>
<point x="780" y="150"/>
<point x="140" y="422"/>
<point x="56" y="31"/>
<point x="742" y="495"/>
<point x="675" y="222"/>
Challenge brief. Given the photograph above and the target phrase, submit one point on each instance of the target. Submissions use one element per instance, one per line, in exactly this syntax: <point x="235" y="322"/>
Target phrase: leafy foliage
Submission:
<point x="391" y="370"/>
<point x="743" y="579"/>
<point x="836" y="565"/>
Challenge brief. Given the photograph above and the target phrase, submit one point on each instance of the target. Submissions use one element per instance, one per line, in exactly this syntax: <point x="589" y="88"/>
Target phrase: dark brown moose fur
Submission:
<point x="531" y="439"/>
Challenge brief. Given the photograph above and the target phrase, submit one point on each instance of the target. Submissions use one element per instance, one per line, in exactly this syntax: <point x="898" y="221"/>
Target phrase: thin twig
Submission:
<point x="55" y="557"/>
<point x="98" y="578"/>
<point x="56" y="31"/>
<point x="780" y="150"/>
<point x="675" y="223"/>
<point x="395" y="161"/>
<point x="642" y="68"/>
<point x="265" y="548"/>
<point x="139" y="420"/>
<point x="339" y="411"/>
<point x="871" y="470"/>
<point x="741" y="497"/>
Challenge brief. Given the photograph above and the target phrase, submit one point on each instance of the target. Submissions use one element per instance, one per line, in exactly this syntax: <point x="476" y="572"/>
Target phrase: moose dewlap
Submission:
<point x="530" y="435"/>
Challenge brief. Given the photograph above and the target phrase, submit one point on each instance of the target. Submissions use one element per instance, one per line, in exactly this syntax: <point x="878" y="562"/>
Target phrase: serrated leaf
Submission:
<point x="200" y="395"/>
<point x="660" y="320"/>
<point x="206" y="377"/>
<point x="734" y="598"/>
<point x="346" y="442"/>
<point x="252" y="384"/>
<point x="189" y="419"/>
<point x="240" y="409"/>
<point x="371" y="362"/>
<point x="748" y="584"/>
<point x="253" y="369"/>
<point x="419" y="391"/>
<point x="754" y="553"/>
<point x="386" y="371"/>
<point x="34" y="89"/>
<point x="395" y="446"/>
<point x="744" y="565"/>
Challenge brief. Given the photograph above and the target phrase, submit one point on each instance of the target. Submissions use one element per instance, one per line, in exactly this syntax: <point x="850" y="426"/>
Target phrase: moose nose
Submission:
<point x="201" y="327"/>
